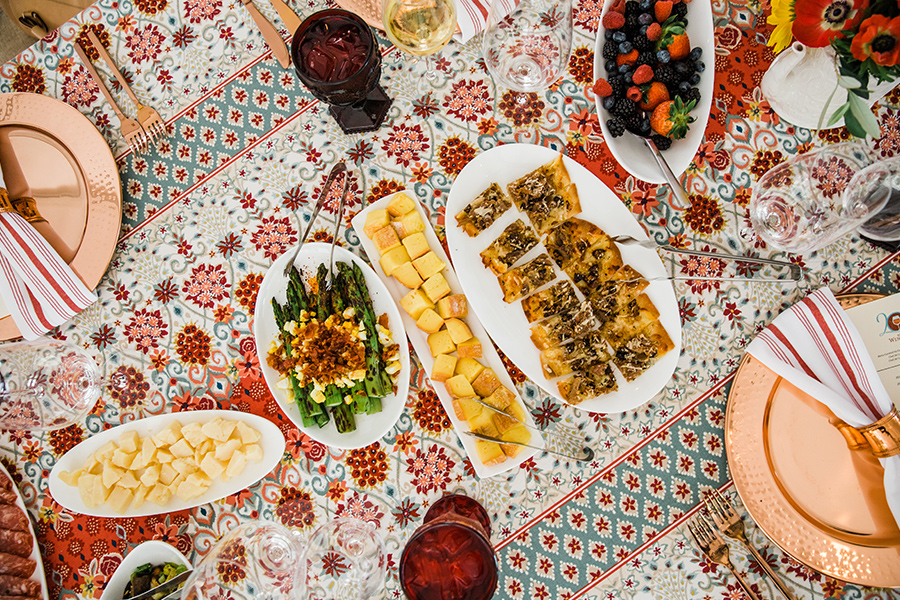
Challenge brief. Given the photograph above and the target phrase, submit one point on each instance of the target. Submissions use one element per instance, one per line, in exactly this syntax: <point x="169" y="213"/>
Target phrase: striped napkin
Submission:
<point x="38" y="287"/>
<point x="817" y="348"/>
<point x="472" y="16"/>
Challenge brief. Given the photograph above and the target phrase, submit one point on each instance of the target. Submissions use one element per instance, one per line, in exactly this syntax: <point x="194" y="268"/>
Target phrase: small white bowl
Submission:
<point x="153" y="552"/>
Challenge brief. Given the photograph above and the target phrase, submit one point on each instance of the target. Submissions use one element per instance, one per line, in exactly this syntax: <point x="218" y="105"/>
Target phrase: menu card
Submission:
<point x="878" y="323"/>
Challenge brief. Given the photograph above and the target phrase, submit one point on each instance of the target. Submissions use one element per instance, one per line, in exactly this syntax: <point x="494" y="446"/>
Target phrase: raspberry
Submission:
<point x="618" y="6"/>
<point x="602" y="88"/>
<point x="613" y="20"/>
<point x="634" y="93"/>
<point x="627" y="59"/>
<point x="654" y="31"/>
<point x="642" y="74"/>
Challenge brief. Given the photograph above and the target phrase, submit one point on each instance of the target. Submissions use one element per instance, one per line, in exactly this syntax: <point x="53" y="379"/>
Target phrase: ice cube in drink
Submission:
<point x="333" y="49"/>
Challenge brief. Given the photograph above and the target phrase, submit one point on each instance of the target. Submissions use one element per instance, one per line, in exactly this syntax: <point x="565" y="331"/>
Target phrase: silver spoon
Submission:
<point x="681" y="198"/>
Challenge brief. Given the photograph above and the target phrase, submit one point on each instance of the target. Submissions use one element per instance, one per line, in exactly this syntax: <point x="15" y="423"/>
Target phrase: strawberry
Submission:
<point x="642" y="74"/>
<point x="674" y="39"/>
<point x="602" y="88"/>
<point x="662" y="9"/>
<point x="654" y="31"/>
<point x="634" y="93"/>
<point x="627" y="59"/>
<point x="613" y="20"/>
<point x="679" y="47"/>
<point x="672" y="119"/>
<point x="654" y="94"/>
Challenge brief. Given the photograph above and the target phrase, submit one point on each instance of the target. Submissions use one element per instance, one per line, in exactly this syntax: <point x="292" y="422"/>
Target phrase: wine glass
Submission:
<point x="47" y="384"/>
<point x="812" y="199"/>
<point x="420" y="27"/>
<point x="344" y="559"/>
<point x="527" y="49"/>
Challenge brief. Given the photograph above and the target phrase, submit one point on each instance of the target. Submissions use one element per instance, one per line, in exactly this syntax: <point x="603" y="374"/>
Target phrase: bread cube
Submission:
<point x="429" y="321"/>
<point x="385" y="240"/>
<point x="119" y="499"/>
<point x="459" y="331"/>
<point x="436" y="287"/>
<point x="428" y="264"/>
<point x="500" y="398"/>
<point x="392" y="259"/>
<point x="128" y="441"/>
<point x="247" y="433"/>
<point x="471" y="348"/>
<point x="140" y="495"/>
<point x="415" y="303"/>
<point x="518" y="434"/>
<point x="441" y="343"/>
<point x="409" y="224"/>
<point x="489" y="453"/>
<point x="469" y="368"/>
<point x="452" y="306"/>
<point x="407" y="275"/>
<point x="486" y="382"/>
<point x="212" y="467"/>
<point x="459" y="387"/>
<point x="224" y="451"/>
<point x="516" y="410"/>
<point x="400" y="204"/>
<point x="466" y="408"/>
<point x="375" y="220"/>
<point x="443" y="367"/>
<point x="160" y="494"/>
<point x="416" y="244"/>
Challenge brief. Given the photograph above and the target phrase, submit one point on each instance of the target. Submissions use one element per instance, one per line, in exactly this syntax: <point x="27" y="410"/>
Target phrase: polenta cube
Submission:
<point x="436" y="287"/>
<point x="469" y="368"/>
<point x="454" y="305"/>
<point x="428" y="264"/>
<point x="459" y="331"/>
<point x="429" y="321"/>
<point x="459" y="387"/>
<point x="409" y="224"/>
<point x="400" y="204"/>
<point x="415" y="303"/>
<point x="407" y="275"/>
<point x="486" y="382"/>
<point x="440" y="343"/>
<point x="471" y="348"/>
<point x="375" y="220"/>
<point x="392" y="259"/>
<point x="416" y="244"/>
<point x="385" y="239"/>
<point x="489" y="453"/>
<point x="443" y="367"/>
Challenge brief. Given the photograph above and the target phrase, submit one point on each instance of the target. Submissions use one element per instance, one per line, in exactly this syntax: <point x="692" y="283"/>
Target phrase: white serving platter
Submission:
<point x="506" y="323"/>
<point x="419" y="339"/>
<point x="153" y="552"/>
<point x="271" y="440"/>
<point x="629" y="149"/>
<point x="35" y="555"/>
<point x="369" y="428"/>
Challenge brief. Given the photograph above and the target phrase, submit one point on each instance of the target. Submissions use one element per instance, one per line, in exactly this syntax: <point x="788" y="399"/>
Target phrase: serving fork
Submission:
<point x="715" y="548"/>
<point x="337" y="228"/>
<point x="150" y="120"/>
<point x="131" y="130"/>
<point x="730" y="523"/>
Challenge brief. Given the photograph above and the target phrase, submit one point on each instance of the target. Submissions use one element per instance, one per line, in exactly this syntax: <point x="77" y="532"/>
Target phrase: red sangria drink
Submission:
<point x="450" y="556"/>
<point x="337" y="58"/>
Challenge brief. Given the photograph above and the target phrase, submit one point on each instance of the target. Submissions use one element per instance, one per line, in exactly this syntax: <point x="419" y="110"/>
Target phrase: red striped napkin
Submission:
<point x="37" y="286"/>
<point x="816" y="347"/>
<point x="472" y="16"/>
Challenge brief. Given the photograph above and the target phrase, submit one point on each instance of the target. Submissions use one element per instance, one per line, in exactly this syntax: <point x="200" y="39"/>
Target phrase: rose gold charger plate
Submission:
<point x="73" y="178"/>
<point x="819" y="501"/>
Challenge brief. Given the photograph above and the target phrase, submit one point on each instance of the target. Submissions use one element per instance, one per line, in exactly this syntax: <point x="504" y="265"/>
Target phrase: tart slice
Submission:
<point x="568" y="241"/>
<point x="564" y="326"/>
<point x="552" y="301"/>
<point x="520" y="281"/>
<point x="595" y="381"/>
<point x="481" y="213"/>
<point x="547" y="195"/>
<point x="515" y="241"/>
<point x="643" y="350"/>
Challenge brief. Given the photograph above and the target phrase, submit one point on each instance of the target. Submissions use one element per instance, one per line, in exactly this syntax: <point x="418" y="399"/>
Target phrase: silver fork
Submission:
<point x="149" y="118"/>
<point x="337" y="228"/>
<point x="626" y="240"/>
<point x="323" y="195"/>
<point x="131" y="130"/>
<point x="714" y="547"/>
<point x="730" y="523"/>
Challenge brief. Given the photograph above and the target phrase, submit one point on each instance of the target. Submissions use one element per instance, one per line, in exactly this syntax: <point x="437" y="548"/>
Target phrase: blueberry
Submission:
<point x="619" y="36"/>
<point x="628" y="78"/>
<point x="645" y="5"/>
<point x="663" y="56"/>
<point x="696" y="53"/>
<point x="682" y="68"/>
<point x="683" y="86"/>
<point x="694" y="79"/>
<point x="624" y="69"/>
<point x="645" y="18"/>
<point x="643" y="30"/>
<point x="609" y="34"/>
<point x="609" y="102"/>
<point x="645" y="126"/>
<point x="699" y="66"/>
<point x="611" y="66"/>
<point x="625" y="47"/>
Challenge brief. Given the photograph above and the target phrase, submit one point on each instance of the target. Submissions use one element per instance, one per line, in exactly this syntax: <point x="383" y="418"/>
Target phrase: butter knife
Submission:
<point x="270" y="34"/>
<point x="588" y="453"/>
<point x="288" y="16"/>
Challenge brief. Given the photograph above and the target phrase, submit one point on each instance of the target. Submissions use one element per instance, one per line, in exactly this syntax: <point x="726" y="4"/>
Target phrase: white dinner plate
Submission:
<point x="153" y="552"/>
<point x="35" y="555"/>
<point x="271" y="440"/>
<point x="419" y="339"/>
<point x="629" y="149"/>
<point x="369" y="428"/>
<point x="506" y="323"/>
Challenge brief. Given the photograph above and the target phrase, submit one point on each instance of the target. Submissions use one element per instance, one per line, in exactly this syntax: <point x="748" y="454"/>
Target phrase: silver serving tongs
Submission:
<point x="165" y="587"/>
<point x="795" y="271"/>
<point x="337" y="228"/>
<point x="323" y="195"/>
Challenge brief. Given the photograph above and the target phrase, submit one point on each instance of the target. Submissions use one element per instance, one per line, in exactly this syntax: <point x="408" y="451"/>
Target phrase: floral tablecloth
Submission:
<point x="209" y="210"/>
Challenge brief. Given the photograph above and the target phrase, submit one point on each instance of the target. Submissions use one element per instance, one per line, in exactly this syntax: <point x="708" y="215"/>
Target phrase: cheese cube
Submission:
<point x="409" y="224"/>
<point x="454" y="305"/>
<point x="193" y="433"/>
<point x="72" y="477"/>
<point x="459" y="387"/>
<point x="138" y="463"/>
<point x="148" y="450"/>
<point x="429" y="321"/>
<point x="400" y="204"/>
<point x="85" y="489"/>
<point x="375" y="220"/>
<point x="150" y="477"/>
<point x="385" y="239"/>
<point x="167" y="474"/>
<point x="466" y="408"/>
<point x="123" y="459"/>
<point x="393" y="259"/>
<point x="441" y="343"/>
<point x="516" y="434"/>
<point x="119" y="499"/>
<point x="516" y="410"/>
<point x="428" y="264"/>
<point x="415" y="303"/>
<point x="164" y="456"/>
<point x="127" y="481"/>
<point x="436" y="287"/>
<point x="483" y="423"/>
<point x="181" y="449"/>
<point x="407" y="275"/>
<point x="111" y="474"/>
<point x="503" y="422"/>
<point x="486" y="382"/>
<point x="160" y="494"/>
<point x="219" y="429"/>
<point x="169" y="435"/>
<point x="253" y="452"/>
<point x="188" y="491"/>
<point x="469" y="368"/>
<point x="224" y="451"/>
<point x="500" y="398"/>
<point x="184" y="466"/>
<point x="105" y="451"/>
<point x="471" y="348"/>
<point x="459" y="331"/>
<point x="236" y="464"/>
<point x="212" y="467"/>
<point x="177" y="481"/>
<point x="128" y="441"/>
<point x="416" y="244"/>
<point x="247" y="433"/>
<point x="443" y="367"/>
<point x="489" y="453"/>
<point x="140" y="495"/>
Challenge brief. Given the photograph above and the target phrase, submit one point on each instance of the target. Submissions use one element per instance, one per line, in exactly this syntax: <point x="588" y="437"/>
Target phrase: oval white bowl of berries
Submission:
<point x="654" y="66"/>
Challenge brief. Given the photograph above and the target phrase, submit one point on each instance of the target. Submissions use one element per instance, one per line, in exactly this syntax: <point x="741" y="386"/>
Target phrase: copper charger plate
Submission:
<point x="820" y="502"/>
<point x="73" y="177"/>
<point x="368" y="10"/>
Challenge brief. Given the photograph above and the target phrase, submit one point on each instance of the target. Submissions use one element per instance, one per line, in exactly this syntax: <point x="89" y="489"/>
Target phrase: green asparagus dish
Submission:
<point x="335" y="355"/>
<point x="148" y="576"/>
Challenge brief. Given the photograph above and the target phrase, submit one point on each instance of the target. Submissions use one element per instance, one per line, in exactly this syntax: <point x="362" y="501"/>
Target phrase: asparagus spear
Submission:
<point x="359" y="297"/>
<point x="343" y="418"/>
<point x="308" y="408"/>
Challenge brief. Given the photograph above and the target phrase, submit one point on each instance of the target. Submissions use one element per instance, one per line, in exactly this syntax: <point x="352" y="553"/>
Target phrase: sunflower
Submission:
<point x="878" y="39"/>
<point x="782" y="18"/>
<point x="818" y="22"/>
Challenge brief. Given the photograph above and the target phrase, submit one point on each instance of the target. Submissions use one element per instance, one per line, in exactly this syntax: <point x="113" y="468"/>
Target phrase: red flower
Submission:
<point x="820" y="21"/>
<point x="878" y="39"/>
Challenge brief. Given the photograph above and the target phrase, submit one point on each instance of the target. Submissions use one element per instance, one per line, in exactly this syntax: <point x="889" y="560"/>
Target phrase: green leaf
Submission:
<point x="838" y="114"/>
<point x="863" y="115"/>
<point x="853" y="125"/>
<point x="848" y="82"/>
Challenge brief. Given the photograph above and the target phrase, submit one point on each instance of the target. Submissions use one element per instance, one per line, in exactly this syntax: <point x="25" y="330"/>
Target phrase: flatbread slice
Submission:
<point x="547" y="195"/>
<point x="597" y="265"/>
<point x="481" y="213"/>
<point x="551" y="301"/>
<point x="610" y="297"/>
<point x="630" y="321"/>
<point x="564" y="326"/>
<point x="597" y="380"/>
<point x="574" y="356"/>
<point x="526" y="278"/>
<point x="515" y="241"/>
<point x="643" y="350"/>
<point x="568" y="241"/>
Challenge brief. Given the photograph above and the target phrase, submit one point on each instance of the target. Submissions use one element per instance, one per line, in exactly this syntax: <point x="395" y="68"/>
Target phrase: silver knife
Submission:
<point x="588" y="452"/>
<point x="163" y="588"/>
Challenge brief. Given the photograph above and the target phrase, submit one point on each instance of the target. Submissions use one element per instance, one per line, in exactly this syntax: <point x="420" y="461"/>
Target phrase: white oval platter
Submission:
<point x="151" y="551"/>
<point x="35" y="555"/>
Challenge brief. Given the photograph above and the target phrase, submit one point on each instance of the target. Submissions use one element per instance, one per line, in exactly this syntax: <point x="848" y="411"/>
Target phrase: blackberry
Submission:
<point x="691" y="94"/>
<point x="642" y="43"/>
<point x="682" y="68"/>
<point x="646" y="58"/>
<point x="610" y="50"/>
<point x="631" y="22"/>
<point x="633" y="123"/>
<point x="666" y="75"/>
<point x="624" y="108"/>
<point x="632" y="8"/>
<point x="616" y="127"/>
<point x="679" y="9"/>
<point x="618" y="87"/>
<point x="662" y="142"/>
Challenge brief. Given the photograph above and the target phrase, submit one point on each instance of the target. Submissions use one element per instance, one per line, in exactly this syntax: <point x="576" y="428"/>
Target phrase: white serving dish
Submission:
<point x="153" y="552"/>
<point x="35" y="555"/>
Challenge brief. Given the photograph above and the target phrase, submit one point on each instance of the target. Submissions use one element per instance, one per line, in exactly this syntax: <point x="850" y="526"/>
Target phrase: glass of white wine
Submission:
<point x="420" y="27"/>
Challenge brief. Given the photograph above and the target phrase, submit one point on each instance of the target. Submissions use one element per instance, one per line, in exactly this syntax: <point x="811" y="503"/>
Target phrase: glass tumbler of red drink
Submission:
<point x="337" y="58"/>
<point x="450" y="556"/>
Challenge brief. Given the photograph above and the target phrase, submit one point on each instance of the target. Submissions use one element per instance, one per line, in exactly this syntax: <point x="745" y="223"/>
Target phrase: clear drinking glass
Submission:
<point x="528" y="48"/>
<point x="46" y="384"/>
<point x="344" y="559"/>
<point x="812" y="199"/>
<point x="420" y="27"/>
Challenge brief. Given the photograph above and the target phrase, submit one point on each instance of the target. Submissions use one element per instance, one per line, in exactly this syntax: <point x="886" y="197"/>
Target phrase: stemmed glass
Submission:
<point x="527" y="49"/>
<point x="422" y="28"/>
